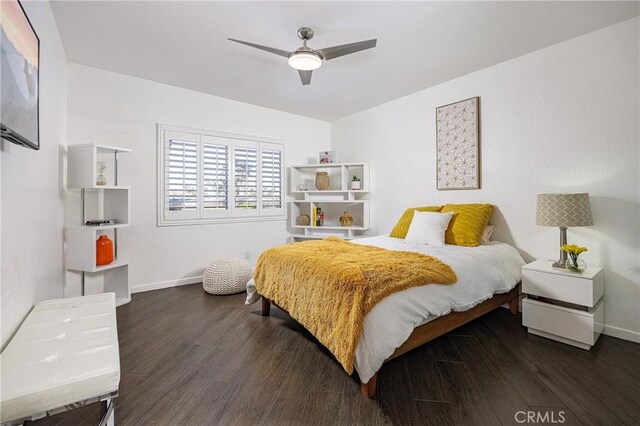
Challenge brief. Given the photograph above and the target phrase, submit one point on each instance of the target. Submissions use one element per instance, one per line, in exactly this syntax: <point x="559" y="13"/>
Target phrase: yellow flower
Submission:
<point x="573" y="249"/>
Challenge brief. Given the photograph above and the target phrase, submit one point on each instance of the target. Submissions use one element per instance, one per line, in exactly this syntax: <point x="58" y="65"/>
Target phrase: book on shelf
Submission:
<point x="317" y="217"/>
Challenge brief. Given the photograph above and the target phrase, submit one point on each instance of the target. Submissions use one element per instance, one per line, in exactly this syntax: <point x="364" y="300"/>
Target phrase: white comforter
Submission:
<point x="482" y="271"/>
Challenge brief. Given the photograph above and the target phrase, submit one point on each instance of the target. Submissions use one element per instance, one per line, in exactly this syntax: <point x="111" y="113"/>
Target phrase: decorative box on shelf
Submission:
<point x="563" y="305"/>
<point x="337" y="201"/>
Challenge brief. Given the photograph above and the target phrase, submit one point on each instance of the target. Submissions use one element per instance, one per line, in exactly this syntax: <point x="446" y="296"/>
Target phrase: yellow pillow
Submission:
<point x="467" y="224"/>
<point x="402" y="227"/>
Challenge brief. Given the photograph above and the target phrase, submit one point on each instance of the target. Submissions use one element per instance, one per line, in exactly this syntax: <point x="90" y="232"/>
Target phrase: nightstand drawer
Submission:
<point x="568" y="288"/>
<point x="579" y="328"/>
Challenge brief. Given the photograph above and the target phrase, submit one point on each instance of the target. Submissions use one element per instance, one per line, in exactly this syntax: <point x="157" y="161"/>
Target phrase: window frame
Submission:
<point x="232" y="214"/>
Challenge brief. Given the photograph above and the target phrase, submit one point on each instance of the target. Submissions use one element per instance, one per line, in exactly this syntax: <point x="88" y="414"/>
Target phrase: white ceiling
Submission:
<point x="420" y="44"/>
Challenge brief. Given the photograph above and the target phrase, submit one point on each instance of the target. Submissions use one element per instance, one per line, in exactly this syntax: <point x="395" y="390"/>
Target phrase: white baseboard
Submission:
<point x="166" y="284"/>
<point x="621" y="333"/>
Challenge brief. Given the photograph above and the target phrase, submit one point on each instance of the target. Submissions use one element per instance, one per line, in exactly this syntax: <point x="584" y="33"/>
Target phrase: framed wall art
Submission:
<point x="458" y="145"/>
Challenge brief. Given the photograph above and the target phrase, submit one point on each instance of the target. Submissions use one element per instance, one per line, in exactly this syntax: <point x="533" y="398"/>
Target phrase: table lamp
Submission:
<point x="563" y="211"/>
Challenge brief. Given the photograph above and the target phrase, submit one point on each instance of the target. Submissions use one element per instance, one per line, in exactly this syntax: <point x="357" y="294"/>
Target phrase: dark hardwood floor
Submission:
<point x="189" y="358"/>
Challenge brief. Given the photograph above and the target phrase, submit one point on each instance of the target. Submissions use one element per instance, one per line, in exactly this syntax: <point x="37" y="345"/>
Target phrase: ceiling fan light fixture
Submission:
<point x="305" y="61"/>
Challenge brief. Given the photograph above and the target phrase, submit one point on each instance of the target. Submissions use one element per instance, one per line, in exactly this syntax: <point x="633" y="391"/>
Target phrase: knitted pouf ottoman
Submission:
<point x="226" y="276"/>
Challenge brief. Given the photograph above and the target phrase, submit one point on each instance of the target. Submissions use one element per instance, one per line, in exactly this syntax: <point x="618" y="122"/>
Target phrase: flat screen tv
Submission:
<point x="19" y="75"/>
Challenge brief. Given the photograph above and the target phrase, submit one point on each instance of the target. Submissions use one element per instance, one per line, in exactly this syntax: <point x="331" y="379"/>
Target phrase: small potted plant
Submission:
<point x="573" y="263"/>
<point x="355" y="183"/>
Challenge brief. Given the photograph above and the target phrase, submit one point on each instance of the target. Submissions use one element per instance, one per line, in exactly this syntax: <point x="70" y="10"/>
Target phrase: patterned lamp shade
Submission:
<point x="563" y="210"/>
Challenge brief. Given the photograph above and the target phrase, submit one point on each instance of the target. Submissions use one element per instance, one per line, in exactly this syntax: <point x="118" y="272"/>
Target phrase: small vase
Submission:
<point x="322" y="181"/>
<point x="104" y="250"/>
<point x="355" y="185"/>
<point x="346" y="219"/>
<point x="578" y="266"/>
<point x="303" y="220"/>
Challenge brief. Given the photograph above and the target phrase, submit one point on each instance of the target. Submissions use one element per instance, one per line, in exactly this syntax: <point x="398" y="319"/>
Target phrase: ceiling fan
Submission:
<point x="306" y="59"/>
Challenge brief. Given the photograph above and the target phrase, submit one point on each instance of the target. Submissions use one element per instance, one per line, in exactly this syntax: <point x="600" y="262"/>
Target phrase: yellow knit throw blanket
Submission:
<point x="329" y="285"/>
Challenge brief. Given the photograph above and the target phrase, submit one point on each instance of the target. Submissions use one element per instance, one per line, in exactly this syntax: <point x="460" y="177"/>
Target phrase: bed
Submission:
<point x="488" y="277"/>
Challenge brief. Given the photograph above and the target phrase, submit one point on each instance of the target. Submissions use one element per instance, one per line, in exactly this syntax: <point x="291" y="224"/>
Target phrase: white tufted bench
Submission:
<point x="64" y="355"/>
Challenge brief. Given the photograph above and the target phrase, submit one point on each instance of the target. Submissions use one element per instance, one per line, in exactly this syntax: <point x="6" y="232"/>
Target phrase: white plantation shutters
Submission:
<point x="181" y="176"/>
<point x="245" y="173"/>
<point x="215" y="177"/>
<point x="207" y="178"/>
<point x="272" y="173"/>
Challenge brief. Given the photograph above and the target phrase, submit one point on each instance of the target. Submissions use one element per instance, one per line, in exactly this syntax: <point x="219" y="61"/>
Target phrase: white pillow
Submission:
<point x="428" y="228"/>
<point x="486" y="235"/>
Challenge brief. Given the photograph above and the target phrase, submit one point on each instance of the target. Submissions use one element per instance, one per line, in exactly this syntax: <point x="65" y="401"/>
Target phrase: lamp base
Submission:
<point x="563" y="255"/>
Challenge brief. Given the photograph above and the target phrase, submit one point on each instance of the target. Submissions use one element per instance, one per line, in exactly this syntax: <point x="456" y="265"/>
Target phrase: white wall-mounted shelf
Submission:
<point x="81" y="248"/>
<point x="330" y="191"/>
<point x="103" y="203"/>
<point x="333" y="202"/>
<point x="327" y="165"/>
<point x="82" y="170"/>
<point x="330" y="201"/>
<point x="340" y="175"/>
<point x="114" y="279"/>
<point x="316" y="237"/>
<point x="101" y="227"/>
<point x="97" y="202"/>
<point x="332" y="227"/>
<point x="104" y="187"/>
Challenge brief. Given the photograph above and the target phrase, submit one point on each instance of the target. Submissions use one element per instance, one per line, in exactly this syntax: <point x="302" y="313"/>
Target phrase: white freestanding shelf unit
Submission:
<point x="333" y="201"/>
<point x="110" y="201"/>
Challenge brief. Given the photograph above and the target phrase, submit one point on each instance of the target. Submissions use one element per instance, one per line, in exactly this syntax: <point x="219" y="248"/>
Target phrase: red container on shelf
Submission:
<point x="104" y="250"/>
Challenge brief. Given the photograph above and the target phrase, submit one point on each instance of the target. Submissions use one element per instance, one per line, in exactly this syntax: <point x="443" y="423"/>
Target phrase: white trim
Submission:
<point x="223" y="135"/>
<point x="621" y="333"/>
<point x="166" y="284"/>
<point x="224" y="220"/>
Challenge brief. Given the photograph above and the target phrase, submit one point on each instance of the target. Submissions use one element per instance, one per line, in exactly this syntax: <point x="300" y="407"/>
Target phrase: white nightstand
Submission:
<point x="563" y="305"/>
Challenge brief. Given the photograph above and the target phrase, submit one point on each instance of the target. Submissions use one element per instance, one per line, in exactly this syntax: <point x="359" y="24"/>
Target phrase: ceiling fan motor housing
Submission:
<point x="305" y="33"/>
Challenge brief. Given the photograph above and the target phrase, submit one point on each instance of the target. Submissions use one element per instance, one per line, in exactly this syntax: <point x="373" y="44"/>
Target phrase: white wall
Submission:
<point x="33" y="189"/>
<point x="561" y="119"/>
<point x="122" y="110"/>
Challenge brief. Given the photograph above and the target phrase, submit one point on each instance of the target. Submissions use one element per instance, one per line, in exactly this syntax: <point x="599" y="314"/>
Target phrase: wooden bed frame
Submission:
<point x="433" y="329"/>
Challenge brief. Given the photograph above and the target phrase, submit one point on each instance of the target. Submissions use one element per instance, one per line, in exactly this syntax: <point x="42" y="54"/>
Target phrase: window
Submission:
<point x="208" y="177"/>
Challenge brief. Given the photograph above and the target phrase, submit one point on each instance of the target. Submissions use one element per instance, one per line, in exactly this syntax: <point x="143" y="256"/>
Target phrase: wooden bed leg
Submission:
<point x="513" y="306"/>
<point x="266" y="307"/>
<point x="369" y="389"/>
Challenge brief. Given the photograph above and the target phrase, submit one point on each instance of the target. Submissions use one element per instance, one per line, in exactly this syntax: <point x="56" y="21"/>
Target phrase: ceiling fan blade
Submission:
<point x="265" y="48"/>
<point x="305" y="76"/>
<point x="346" y="49"/>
